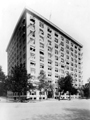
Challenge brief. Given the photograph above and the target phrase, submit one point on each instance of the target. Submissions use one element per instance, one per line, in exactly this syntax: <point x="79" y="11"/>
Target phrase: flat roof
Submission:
<point x="47" y="22"/>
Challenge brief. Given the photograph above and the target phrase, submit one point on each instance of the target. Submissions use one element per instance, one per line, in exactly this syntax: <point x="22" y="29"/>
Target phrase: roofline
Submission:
<point x="45" y="21"/>
<point x="53" y="25"/>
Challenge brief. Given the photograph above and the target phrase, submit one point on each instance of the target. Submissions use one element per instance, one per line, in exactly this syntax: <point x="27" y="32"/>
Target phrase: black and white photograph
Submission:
<point x="45" y="60"/>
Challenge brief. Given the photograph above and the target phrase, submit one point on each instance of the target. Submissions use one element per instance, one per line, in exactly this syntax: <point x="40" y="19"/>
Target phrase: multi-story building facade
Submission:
<point x="39" y="44"/>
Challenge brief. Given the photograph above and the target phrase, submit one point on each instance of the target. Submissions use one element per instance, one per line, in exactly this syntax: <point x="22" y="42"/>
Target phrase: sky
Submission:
<point x="72" y="16"/>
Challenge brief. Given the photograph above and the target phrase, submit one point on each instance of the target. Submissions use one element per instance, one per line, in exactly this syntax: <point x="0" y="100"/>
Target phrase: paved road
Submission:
<point x="46" y="110"/>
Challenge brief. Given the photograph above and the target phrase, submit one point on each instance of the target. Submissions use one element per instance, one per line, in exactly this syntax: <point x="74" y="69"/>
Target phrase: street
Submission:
<point x="46" y="110"/>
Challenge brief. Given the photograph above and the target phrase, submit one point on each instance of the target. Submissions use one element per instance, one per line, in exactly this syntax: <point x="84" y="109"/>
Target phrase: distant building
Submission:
<point x="39" y="44"/>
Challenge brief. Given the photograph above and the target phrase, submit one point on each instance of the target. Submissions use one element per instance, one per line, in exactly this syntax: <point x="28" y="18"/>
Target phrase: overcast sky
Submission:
<point x="72" y="16"/>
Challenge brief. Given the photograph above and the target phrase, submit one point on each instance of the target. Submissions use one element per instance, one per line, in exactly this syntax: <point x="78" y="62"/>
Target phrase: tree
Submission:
<point x="2" y="82"/>
<point x="43" y="83"/>
<point x="61" y="85"/>
<point x="18" y="81"/>
<point x="65" y="84"/>
<point x="69" y="86"/>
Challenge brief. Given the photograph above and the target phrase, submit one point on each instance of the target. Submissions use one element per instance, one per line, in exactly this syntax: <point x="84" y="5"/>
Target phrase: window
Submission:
<point x="56" y="63"/>
<point x="32" y="40"/>
<point x="32" y="19"/>
<point x="41" y="58"/>
<point x="41" y="45"/>
<point x="56" y="46"/>
<point x="56" y="40"/>
<point x="71" y="49"/>
<point x="56" y="52"/>
<point x="67" y="46"/>
<point x="62" y="66"/>
<point x="71" y="69"/>
<point x="62" y="54"/>
<point x="41" y="65"/>
<point x="62" y="60"/>
<point x="71" y="53"/>
<point x="75" y="60"/>
<point x="49" y="68"/>
<point x="79" y="49"/>
<point x="32" y="63"/>
<point x="33" y="70"/>
<point x="71" y="59"/>
<point x="49" y="42"/>
<point x="32" y="55"/>
<point x="56" y="69"/>
<point x="32" y="48"/>
<point x="56" y="76"/>
<point x="49" y="30"/>
<point x="49" y="36"/>
<point x="41" y="52"/>
<point x="49" y="61"/>
<point x="49" y="49"/>
<point x="71" y="44"/>
<point x="75" y="65"/>
<point x="67" y="51"/>
<point x="41" y="38"/>
<point x="75" y="46"/>
<point x="56" y="34"/>
<point x="56" y="57"/>
<point x="62" y="43"/>
<point x="75" y="51"/>
<point x="49" y="74"/>
<point x="41" y="24"/>
<point x="49" y="55"/>
<point x="67" y="57"/>
<point x="62" y="49"/>
<point x="32" y="33"/>
<point x="71" y="64"/>
<point x="62" y="38"/>
<point x="67" y="67"/>
<point x="67" y="41"/>
<point x="41" y="31"/>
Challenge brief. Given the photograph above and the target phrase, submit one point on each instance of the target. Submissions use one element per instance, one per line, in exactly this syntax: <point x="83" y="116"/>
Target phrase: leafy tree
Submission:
<point x="65" y="84"/>
<point x="68" y="84"/>
<point x="43" y="83"/>
<point x="86" y="92"/>
<point x="18" y="81"/>
<point x="50" y="90"/>
<point x="2" y="82"/>
<point x="61" y="85"/>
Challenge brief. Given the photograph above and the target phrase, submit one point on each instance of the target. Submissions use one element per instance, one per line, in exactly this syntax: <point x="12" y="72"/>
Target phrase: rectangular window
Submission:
<point x="49" y="30"/>
<point x="41" y="24"/>
<point x="56" y="40"/>
<point x="49" y="49"/>
<point x="56" y="63"/>
<point x="62" y="43"/>
<point x="41" y="58"/>
<point x="41" y="65"/>
<point x="49" y="36"/>
<point x="49" y="61"/>
<point x="62" y="54"/>
<point x="67" y="41"/>
<point x="62" y="38"/>
<point x="56" y="34"/>
<point x="56" y="52"/>
<point x="41" y="31"/>
<point x="41" y="52"/>
<point x="62" y="49"/>
<point x="49" y="42"/>
<point x="41" y="45"/>
<point x="56" y="57"/>
<point x="56" y="46"/>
